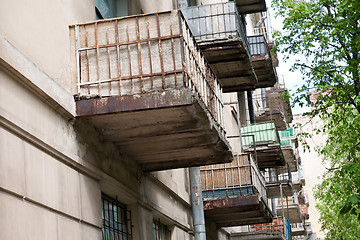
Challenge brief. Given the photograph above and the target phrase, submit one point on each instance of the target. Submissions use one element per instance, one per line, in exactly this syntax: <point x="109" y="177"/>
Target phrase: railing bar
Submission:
<point x="118" y="55"/>
<point x="160" y="51"/>
<point x="97" y="57"/>
<point x="130" y="77"/>
<point x="129" y="55"/>
<point x="130" y="42"/>
<point x="173" y="54"/>
<point x="87" y="59"/>
<point x="108" y="58"/>
<point x="150" y="59"/>
<point x="139" y="54"/>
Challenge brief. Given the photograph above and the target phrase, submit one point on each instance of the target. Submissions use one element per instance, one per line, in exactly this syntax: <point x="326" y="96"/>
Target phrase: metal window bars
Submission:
<point x="143" y="54"/>
<point x="241" y="177"/>
<point x="216" y="21"/>
<point x="258" y="45"/>
<point x="116" y="220"/>
<point x="161" y="231"/>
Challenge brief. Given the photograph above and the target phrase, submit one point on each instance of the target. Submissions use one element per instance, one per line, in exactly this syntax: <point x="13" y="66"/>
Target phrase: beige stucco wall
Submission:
<point x="312" y="168"/>
<point x="53" y="168"/>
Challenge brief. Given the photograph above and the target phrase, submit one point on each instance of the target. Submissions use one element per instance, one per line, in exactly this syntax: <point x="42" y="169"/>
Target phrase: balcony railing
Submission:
<point x="264" y="133"/>
<point x="216" y="21"/>
<point x="143" y="54"/>
<point x="220" y="32"/>
<point x="241" y="177"/>
<point x="279" y="224"/>
<point x="144" y="84"/>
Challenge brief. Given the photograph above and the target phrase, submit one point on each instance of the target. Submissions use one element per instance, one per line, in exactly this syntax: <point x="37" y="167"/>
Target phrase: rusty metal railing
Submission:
<point x="216" y="21"/>
<point x="258" y="45"/>
<point x="143" y="54"/>
<point x="239" y="178"/>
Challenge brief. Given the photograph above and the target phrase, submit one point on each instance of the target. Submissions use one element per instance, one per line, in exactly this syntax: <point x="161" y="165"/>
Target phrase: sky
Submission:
<point x="293" y="80"/>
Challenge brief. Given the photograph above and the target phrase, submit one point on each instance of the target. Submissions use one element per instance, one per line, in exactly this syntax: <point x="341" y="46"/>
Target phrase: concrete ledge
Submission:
<point x="37" y="80"/>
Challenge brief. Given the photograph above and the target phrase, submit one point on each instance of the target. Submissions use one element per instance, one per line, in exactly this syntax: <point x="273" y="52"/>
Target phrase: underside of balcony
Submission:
<point x="251" y="6"/>
<point x="276" y="115"/>
<point x="237" y="211"/>
<point x="291" y="212"/>
<point x="273" y="189"/>
<point x="289" y="157"/>
<point x="258" y="235"/>
<point x="163" y="130"/>
<point x="267" y="155"/>
<point x="231" y="63"/>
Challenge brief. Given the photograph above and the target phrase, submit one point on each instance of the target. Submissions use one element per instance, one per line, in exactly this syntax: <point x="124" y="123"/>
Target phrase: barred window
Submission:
<point x="161" y="231"/>
<point x="116" y="220"/>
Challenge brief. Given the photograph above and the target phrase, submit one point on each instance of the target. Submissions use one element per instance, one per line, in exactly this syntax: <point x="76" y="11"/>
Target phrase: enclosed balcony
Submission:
<point x="279" y="182"/>
<point x="262" y="61"/>
<point x="143" y="83"/>
<point x="278" y="229"/>
<point x="289" y="207"/>
<point x="220" y="32"/>
<point x="298" y="229"/>
<point x="272" y="105"/>
<point x="251" y="6"/>
<point x="234" y="193"/>
<point x="262" y="139"/>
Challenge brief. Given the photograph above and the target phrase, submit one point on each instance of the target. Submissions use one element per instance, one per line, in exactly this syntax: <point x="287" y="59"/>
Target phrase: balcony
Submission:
<point x="263" y="140"/>
<point x="298" y="229"/>
<point x="262" y="61"/>
<point x="251" y="6"/>
<point x="273" y="107"/>
<point x="298" y="179"/>
<point x="221" y="35"/>
<point x="289" y="207"/>
<point x="144" y="85"/>
<point x="279" y="182"/>
<point x="234" y="193"/>
<point x="278" y="229"/>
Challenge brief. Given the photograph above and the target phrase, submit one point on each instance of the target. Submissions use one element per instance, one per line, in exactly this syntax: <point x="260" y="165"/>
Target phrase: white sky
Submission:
<point x="292" y="79"/>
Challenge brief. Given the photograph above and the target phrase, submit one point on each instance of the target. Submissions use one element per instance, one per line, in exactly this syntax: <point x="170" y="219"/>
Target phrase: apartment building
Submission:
<point x="106" y="104"/>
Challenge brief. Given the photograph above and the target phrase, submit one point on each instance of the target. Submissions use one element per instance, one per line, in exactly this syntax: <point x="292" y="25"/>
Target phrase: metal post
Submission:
<point x="250" y="106"/>
<point x="197" y="204"/>
<point x="282" y="204"/>
<point x="273" y="201"/>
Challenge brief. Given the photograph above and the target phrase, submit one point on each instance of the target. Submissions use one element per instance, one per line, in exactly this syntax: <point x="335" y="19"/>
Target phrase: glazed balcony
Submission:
<point x="273" y="106"/>
<point x="251" y="6"/>
<point x="220" y="32"/>
<point x="262" y="61"/>
<point x="234" y="193"/>
<point x="299" y="229"/>
<point x="278" y="229"/>
<point x="262" y="139"/>
<point x="279" y="182"/>
<point x="143" y="83"/>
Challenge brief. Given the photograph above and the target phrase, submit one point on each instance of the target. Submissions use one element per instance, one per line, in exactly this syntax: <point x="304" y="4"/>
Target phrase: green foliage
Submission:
<point x="324" y="36"/>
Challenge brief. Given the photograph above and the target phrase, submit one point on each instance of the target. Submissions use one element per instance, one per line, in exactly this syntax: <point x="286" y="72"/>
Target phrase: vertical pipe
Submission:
<point x="251" y="106"/>
<point x="273" y="201"/>
<point x="197" y="204"/>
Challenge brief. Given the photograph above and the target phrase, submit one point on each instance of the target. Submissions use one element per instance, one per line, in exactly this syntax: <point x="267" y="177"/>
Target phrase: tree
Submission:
<point x="325" y="36"/>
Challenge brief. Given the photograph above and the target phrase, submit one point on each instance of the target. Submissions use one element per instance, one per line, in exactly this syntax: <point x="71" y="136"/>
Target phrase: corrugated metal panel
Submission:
<point x="263" y="133"/>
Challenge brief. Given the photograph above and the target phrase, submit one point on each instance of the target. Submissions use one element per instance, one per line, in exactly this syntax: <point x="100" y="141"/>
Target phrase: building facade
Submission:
<point x="104" y="106"/>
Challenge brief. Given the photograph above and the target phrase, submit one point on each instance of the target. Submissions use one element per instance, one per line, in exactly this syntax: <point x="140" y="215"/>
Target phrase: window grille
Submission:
<point x="116" y="220"/>
<point x="161" y="231"/>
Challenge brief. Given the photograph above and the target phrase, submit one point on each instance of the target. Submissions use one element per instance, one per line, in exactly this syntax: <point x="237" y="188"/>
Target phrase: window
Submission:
<point x="116" y="220"/>
<point x="111" y="8"/>
<point x="161" y="231"/>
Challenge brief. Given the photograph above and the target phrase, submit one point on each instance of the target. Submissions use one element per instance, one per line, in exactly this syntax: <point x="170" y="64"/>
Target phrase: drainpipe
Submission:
<point x="197" y="204"/>
<point x="272" y="179"/>
<point x="250" y="106"/>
